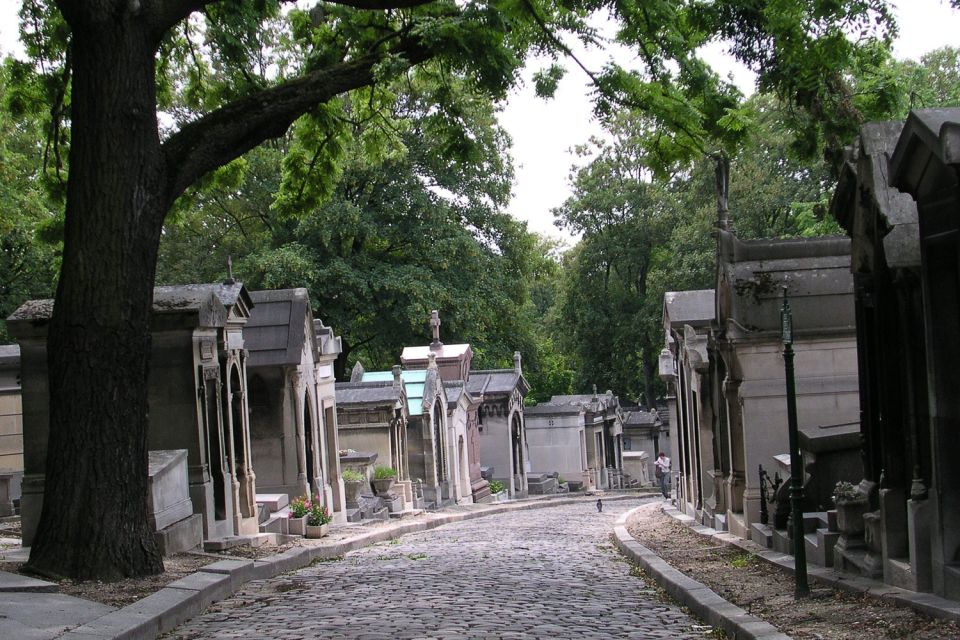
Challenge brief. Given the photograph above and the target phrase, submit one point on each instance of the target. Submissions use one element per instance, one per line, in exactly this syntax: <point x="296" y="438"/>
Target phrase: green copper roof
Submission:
<point x="413" y="383"/>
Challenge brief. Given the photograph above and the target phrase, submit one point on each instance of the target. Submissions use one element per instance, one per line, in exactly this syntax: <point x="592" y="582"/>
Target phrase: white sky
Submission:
<point x="543" y="132"/>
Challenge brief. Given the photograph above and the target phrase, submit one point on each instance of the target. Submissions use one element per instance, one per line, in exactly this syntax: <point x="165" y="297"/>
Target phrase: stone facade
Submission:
<point x="372" y="416"/>
<point x="292" y="398"/>
<point x="644" y="436"/>
<point x="581" y="437"/>
<point x="501" y="425"/>
<point x="197" y="396"/>
<point x="724" y="366"/>
<point x="897" y="199"/>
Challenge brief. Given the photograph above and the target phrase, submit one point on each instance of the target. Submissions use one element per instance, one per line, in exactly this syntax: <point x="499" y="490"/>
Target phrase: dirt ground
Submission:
<point x="125" y="592"/>
<point x="767" y="591"/>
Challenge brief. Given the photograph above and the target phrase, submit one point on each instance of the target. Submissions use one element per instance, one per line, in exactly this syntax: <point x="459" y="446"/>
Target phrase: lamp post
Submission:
<point x="801" y="589"/>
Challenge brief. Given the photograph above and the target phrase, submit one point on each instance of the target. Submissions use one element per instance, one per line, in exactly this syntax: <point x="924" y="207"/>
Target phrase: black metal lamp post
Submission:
<point x="796" y="466"/>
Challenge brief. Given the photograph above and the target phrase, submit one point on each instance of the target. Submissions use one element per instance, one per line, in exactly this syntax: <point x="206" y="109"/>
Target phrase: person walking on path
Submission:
<point x="662" y="464"/>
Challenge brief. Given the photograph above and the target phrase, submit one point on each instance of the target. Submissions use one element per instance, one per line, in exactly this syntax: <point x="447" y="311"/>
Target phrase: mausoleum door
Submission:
<point x="438" y="439"/>
<point x="310" y="433"/>
<point x="940" y="251"/>
<point x="238" y="463"/>
<point x="213" y="433"/>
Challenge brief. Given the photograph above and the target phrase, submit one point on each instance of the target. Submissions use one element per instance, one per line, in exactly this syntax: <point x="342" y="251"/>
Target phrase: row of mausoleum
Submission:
<point x="876" y="339"/>
<point x="245" y="415"/>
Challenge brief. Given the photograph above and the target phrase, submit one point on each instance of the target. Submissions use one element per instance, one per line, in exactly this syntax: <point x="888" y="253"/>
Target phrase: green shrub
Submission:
<point x="496" y="486"/>
<point x="349" y="475"/>
<point x="382" y="473"/>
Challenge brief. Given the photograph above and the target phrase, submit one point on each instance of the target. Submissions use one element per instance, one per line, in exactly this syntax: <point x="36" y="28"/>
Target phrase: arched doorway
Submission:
<point x="516" y="439"/>
<point x="309" y="448"/>
<point x="215" y="440"/>
<point x="439" y="443"/>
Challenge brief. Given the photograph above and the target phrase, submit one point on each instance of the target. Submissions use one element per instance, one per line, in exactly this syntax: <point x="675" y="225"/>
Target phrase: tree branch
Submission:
<point x="231" y="131"/>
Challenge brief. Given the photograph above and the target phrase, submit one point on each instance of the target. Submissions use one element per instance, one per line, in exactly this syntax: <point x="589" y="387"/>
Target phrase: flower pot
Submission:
<point x="850" y="516"/>
<point x="382" y="486"/>
<point x="317" y="531"/>
<point x="297" y="526"/>
<point x="352" y="489"/>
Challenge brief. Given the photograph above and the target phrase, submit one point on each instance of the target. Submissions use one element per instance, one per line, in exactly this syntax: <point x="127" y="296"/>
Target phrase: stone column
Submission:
<point x="735" y="480"/>
<point x="296" y="381"/>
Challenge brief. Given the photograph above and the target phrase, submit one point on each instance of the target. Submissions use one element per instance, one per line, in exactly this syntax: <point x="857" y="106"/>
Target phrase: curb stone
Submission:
<point x="701" y="600"/>
<point x="926" y="603"/>
<point x="179" y="601"/>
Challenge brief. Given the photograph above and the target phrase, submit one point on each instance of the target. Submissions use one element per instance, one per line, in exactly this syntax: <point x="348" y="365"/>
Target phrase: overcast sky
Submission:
<point x="543" y="132"/>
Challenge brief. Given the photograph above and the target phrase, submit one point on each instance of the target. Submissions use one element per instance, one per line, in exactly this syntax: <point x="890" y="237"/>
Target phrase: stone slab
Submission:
<point x="209" y="586"/>
<point x="18" y="583"/>
<point x="291" y="560"/>
<point x="170" y="606"/>
<point x="122" y="625"/>
<point x="39" y="616"/>
<point x="181" y="536"/>
<point x="273" y="501"/>
<point x="240" y="571"/>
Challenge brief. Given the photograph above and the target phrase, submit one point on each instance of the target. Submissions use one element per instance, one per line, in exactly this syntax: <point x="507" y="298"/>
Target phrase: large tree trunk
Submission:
<point x="94" y="519"/>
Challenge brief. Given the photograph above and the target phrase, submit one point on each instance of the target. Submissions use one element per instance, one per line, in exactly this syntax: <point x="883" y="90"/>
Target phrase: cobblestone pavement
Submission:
<point x="540" y="573"/>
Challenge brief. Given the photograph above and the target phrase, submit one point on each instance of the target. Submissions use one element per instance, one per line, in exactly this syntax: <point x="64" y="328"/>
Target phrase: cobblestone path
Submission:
<point x="540" y="573"/>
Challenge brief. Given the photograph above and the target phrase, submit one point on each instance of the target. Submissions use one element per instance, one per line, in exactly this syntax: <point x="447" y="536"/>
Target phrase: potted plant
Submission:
<point x="383" y="478"/>
<point x="297" y="516"/>
<point x="851" y="505"/>
<point x="497" y="489"/>
<point x="318" y="519"/>
<point x="353" y="484"/>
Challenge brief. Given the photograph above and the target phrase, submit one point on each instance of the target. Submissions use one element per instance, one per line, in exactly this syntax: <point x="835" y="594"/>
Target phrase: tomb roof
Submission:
<point x="166" y="300"/>
<point x="696" y="307"/>
<point x="352" y="393"/>
<point x="496" y="382"/>
<point x="191" y="296"/>
<point x="864" y="192"/>
<point x="928" y="150"/>
<point x="752" y="274"/>
<point x="278" y="327"/>
<point x="454" y="389"/>
<point x="640" y="418"/>
<point x="575" y="403"/>
<point x="545" y="408"/>
<point x="418" y="384"/>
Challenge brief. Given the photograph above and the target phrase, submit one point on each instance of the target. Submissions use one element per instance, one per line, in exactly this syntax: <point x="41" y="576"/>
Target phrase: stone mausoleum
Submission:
<point x="197" y="399"/>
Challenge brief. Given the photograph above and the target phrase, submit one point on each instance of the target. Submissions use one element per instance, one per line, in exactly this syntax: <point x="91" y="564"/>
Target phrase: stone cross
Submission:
<point x="229" y="279"/>
<point x="435" y="326"/>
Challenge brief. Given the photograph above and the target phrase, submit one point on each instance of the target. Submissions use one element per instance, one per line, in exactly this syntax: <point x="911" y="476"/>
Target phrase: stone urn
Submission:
<point x="317" y="531"/>
<point x="382" y="486"/>
<point x="850" y="516"/>
<point x="297" y="526"/>
<point x="352" y="490"/>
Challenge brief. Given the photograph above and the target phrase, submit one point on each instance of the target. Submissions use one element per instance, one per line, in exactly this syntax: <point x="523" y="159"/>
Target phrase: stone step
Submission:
<point x="273" y="501"/>
<point x="180" y="536"/>
<point x="276" y="524"/>
<point x="406" y="513"/>
<point x="229" y="542"/>
<point x="762" y="534"/>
